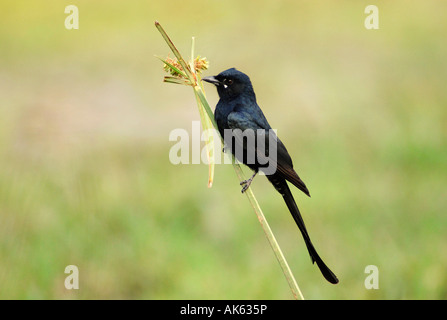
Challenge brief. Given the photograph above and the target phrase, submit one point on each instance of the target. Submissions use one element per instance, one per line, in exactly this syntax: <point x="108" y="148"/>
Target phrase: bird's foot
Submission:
<point x="246" y="183"/>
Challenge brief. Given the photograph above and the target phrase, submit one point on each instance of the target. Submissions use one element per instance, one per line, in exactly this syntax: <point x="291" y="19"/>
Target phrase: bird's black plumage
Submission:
<point x="237" y="109"/>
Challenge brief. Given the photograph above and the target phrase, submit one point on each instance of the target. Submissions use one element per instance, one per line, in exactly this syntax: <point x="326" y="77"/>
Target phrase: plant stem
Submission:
<point x="177" y="54"/>
<point x="271" y="238"/>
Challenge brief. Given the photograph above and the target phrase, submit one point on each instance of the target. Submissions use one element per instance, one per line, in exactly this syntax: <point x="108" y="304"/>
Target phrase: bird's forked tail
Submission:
<point x="281" y="185"/>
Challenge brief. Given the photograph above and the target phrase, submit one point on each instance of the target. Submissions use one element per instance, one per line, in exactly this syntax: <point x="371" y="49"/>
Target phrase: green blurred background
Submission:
<point x="85" y="175"/>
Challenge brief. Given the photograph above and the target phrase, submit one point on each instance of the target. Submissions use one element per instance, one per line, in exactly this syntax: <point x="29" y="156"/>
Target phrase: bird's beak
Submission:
<point x="212" y="80"/>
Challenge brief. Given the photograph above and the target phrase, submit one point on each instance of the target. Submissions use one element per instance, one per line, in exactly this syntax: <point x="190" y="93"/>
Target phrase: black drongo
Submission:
<point x="237" y="112"/>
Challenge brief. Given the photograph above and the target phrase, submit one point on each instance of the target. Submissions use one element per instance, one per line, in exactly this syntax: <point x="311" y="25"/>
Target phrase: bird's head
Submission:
<point x="231" y="83"/>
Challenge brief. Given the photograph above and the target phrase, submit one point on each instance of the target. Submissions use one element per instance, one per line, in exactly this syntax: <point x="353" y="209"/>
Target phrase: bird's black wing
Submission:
<point x="280" y="158"/>
<point x="247" y="134"/>
<point x="285" y="168"/>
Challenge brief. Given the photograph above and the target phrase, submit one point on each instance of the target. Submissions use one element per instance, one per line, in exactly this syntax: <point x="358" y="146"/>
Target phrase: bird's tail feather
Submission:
<point x="281" y="185"/>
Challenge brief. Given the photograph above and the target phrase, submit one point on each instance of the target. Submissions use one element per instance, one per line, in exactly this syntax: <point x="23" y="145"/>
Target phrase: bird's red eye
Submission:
<point x="229" y="81"/>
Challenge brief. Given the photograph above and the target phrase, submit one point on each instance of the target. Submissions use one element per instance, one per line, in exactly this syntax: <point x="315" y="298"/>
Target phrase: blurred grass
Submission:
<point x="86" y="179"/>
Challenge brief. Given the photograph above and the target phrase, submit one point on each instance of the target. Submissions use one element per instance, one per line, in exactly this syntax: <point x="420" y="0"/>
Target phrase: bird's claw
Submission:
<point x="245" y="184"/>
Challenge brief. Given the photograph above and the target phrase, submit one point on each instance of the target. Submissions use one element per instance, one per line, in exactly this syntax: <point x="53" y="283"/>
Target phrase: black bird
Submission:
<point x="237" y="109"/>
